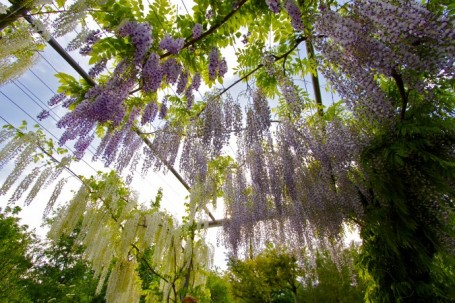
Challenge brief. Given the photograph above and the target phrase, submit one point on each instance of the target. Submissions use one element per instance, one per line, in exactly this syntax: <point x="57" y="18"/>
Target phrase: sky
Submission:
<point x="25" y="97"/>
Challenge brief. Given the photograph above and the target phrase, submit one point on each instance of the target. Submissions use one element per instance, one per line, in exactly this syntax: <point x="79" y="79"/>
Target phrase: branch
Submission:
<point x="59" y="49"/>
<point x="315" y="79"/>
<point x="12" y="14"/>
<point x="404" y="98"/>
<point x="148" y="264"/>
<point x="167" y="164"/>
<point x="66" y="11"/>
<point x="211" y="30"/>
<point x="277" y="58"/>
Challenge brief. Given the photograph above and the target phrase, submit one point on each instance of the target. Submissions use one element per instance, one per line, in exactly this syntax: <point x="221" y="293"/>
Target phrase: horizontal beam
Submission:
<point x="63" y="53"/>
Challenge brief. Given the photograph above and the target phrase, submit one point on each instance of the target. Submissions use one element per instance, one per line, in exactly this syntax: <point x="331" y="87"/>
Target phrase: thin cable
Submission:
<point x="42" y="81"/>
<point x="183" y="2"/>
<point x="39" y="53"/>
<point x="27" y="94"/>
<point x="46" y="106"/>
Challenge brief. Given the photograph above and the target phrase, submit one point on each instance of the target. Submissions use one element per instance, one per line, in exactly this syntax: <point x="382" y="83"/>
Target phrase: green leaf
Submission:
<point x="60" y="3"/>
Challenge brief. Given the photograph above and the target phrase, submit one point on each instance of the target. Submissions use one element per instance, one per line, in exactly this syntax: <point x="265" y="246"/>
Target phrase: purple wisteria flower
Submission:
<point x="197" y="31"/>
<point x="43" y="115"/>
<point x="274" y="5"/>
<point x="141" y="37"/>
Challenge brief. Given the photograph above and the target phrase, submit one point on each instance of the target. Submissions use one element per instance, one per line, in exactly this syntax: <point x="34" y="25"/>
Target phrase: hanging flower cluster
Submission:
<point x="101" y="104"/>
<point x="296" y="15"/>
<point x="23" y="148"/>
<point x="91" y="38"/>
<point x="141" y="37"/>
<point x="396" y="39"/>
<point x="216" y="66"/>
<point x="274" y="5"/>
<point x="115" y="249"/>
<point x="197" y="31"/>
<point x="172" y="45"/>
<point x="152" y="74"/>
<point x="115" y="229"/>
<point x="300" y="183"/>
<point x="287" y="86"/>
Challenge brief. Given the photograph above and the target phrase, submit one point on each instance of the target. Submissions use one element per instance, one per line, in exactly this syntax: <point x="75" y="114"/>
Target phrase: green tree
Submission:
<point x="275" y="275"/>
<point x="61" y="274"/>
<point x="220" y="289"/>
<point x="271" y="276"/>
<point x="406" y="227"/>
<point x="16" y="256"/>
<point x="334" y="281"/>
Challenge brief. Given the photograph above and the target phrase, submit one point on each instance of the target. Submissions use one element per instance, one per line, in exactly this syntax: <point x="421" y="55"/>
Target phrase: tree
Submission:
<point x="61" y="274"/>
<point x="16" y="245"/>
<point x="271" y="276"/>
<point x="382" y="157"/>
<point x="220" y="289"/>
<point x="336" y="280"/>
<point x="275" y="275"/>
<point x="32" y="272"/>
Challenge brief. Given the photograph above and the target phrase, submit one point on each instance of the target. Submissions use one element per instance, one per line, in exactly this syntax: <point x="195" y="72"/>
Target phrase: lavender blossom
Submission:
<point x="222" y="67"/>
<point x="296" y="15"/>
<point x="141" y="37"/>
<point x="171" y="69"/>
<point x="163" y="109"/>
<point x="183" y="80"/>
<point x="152" y="74"/>
<point x="274" y="5"/>
<point x="213" y="63"/>
<point x="43" y="115"/>
<point x="56" y="99"/>
<point x="197" y="31"/>
<point x="196" y="81"/>
<point x="150" y="112"/>
<point x="172" y="45"/>
<point x="98" y="68"/>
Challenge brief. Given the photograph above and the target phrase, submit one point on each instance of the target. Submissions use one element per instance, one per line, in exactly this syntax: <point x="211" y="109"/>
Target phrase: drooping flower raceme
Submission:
<point x="102" y="103"/>
<point x="171" y="70"/>
<point x="196" y="81"/>
<point x="296" y="15"/>
<point x="141" y="37"/>
<point x="91" y="38"/>
<point x="217" y="67"/>
<point x="150" y="112"/>
<point x="172" y="45"/>
<point x="98" y="68"/>
<point x="222" y="67"/>
<point x="365" y="44"/>
<point x="181" y="84"/>
<point x="152" y="74"/>
<point x="197" y="31"/>
<point x="274" y="5"/>
<point x="213" y="63"/>
<point x="56" y="99"/>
